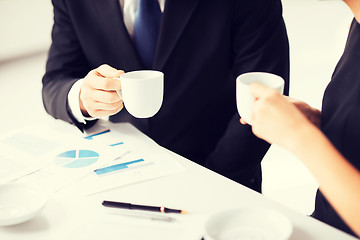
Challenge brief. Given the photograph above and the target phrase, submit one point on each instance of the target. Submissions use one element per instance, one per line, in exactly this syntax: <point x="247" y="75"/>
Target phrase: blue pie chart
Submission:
<point x="76" y="158"/>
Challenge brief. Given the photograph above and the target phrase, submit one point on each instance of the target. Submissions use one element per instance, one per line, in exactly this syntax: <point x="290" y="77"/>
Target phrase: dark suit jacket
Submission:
<point x="203" y="45"/>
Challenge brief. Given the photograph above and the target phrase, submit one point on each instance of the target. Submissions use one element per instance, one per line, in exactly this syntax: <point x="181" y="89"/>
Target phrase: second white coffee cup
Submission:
<point x="142" y="92"/>
<point x="244" y="97"/>
<point x="248" y="223"/>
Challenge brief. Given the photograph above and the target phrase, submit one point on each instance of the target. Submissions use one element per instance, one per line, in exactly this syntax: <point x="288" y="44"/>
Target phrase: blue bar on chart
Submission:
<point x="97" y="134"/>
<point x="116" y="144"/>
<point x="116" y="167"/>
<point x="91" y="137"/>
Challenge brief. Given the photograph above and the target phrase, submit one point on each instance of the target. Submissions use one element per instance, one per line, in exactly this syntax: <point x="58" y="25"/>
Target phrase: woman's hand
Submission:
<point x="275" y="119"/>
<point x="312" y="114"/>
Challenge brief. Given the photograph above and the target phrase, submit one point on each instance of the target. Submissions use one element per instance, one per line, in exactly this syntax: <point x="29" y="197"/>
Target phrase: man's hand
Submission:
<point x="98" y="96"/>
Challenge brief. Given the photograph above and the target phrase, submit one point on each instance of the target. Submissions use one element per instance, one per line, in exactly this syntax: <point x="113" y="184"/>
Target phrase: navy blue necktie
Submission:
<point x="146" y="30"/>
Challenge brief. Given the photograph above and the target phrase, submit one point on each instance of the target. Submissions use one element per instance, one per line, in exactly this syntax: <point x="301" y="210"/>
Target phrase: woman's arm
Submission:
<point x="278" y="121"/>
<point x="339" y="180"/>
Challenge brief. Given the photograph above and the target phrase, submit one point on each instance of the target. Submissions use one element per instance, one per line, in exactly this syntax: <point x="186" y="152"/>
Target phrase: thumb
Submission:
<point x="108" y="71"/>
<point x="118" y="73"/>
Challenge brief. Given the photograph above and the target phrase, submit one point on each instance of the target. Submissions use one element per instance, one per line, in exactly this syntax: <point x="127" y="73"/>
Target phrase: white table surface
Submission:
<point x="198" y="190"/>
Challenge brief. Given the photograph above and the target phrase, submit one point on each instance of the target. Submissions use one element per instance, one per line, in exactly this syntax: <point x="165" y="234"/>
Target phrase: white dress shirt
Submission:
<point x="128" y="8"/>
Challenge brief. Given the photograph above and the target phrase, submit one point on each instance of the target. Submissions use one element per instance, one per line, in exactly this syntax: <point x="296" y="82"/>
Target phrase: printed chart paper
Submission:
<point x="49" y="159"/>
<point x="141" y="160"/>
<point x="56" y="158"/>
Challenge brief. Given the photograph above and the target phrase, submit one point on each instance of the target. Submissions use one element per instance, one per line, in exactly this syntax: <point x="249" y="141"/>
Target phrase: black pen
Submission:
<point x="141" y="207"/>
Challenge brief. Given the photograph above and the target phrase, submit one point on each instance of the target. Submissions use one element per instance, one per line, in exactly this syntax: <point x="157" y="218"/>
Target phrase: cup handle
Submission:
<point x="119" y="92"/>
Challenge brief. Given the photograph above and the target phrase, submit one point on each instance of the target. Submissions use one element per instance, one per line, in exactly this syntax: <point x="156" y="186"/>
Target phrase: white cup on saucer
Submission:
<point x="20" y="203"/>
<point x="248" y="224"/>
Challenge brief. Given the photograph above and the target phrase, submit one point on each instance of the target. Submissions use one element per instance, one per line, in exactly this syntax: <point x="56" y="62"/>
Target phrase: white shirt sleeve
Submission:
<point x="73" y="101"/>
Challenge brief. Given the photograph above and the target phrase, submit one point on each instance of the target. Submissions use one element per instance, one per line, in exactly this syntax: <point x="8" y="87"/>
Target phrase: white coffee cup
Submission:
<point x="142" y="92"/>
<point x="248" y="224"/>
<point x="244" y="97"/>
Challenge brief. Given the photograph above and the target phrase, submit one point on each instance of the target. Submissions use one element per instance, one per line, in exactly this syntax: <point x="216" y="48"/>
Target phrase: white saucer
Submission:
<point x="19" y="203"/>
<point x="248" y="224"/>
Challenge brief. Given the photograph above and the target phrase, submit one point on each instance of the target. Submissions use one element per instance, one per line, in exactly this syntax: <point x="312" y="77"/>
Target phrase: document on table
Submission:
<point x="69" y="165"/>
<point x="23" y="152"/>
<point x="141" y="160"/>
<point x="55" y="158"/>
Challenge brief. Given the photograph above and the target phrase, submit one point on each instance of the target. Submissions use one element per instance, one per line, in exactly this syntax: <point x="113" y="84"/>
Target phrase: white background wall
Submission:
<point x="25" y="27"/>
<point x="317" y="31"/>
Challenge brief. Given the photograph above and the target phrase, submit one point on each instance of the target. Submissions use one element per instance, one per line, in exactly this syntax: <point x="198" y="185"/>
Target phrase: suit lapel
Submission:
<point x="176" y="16"/>
<point x="110" y="15"/>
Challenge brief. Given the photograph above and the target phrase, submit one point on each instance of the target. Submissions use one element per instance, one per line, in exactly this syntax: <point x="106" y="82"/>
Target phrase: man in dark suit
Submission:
<point x="203" y="45"/>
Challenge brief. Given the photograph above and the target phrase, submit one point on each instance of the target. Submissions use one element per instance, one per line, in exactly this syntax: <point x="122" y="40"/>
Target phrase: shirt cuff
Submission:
<point x="74" y="105"/>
